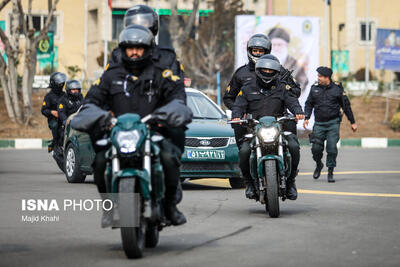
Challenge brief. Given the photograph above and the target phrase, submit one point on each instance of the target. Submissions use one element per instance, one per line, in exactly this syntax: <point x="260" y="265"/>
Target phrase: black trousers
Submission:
<point x="170" y="155"/>
<point x="245" y="151"/>
<point x="239" y="131"/>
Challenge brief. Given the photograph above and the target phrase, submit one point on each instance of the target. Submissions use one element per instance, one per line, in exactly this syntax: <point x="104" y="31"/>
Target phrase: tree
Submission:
<point x="21" y="22"/>
<point x="179" y="34"/>
<point x="213" y="51"/>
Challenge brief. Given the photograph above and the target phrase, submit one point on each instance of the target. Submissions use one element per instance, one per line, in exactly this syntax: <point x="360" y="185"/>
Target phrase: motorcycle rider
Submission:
<point x="162" y="57"/>
<point x="268" y="96"/>
<point x="50" y="103"/>
<point x="257" y="46"/>
<point x="71" y="102"/>
<point x="137" y="85"/>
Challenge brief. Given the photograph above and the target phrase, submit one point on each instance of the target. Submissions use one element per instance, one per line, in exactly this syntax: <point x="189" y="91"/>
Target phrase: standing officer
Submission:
<point x="268" y="96"/>
<point x="50" y="102"/>
<point x="257" y="46"/>
<point x="326" y="98"/>
<point x="136" y="85"/>
<point x="71" y="102"/>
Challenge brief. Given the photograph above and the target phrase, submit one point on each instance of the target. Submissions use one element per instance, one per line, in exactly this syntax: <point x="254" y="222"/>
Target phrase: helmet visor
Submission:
<point x="146" y="20"/>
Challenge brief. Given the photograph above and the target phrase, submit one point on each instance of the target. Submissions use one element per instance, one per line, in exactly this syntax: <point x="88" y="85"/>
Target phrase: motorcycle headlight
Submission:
<point x="232" y="141"/>
<point x="268" y="135"/>
<point x="127" y="141"/>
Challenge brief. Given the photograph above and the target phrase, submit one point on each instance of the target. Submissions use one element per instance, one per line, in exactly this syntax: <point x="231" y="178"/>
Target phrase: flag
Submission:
<point x="110" y="4"/>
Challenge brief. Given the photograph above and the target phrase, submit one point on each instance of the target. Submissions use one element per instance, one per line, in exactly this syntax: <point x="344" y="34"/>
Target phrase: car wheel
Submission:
<point x="72" y="166"/>
<point x="236" y="182"/>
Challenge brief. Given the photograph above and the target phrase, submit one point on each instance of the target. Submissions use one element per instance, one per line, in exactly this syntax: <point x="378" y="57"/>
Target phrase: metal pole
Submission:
<point x="326" y="33"/>
<point x="330" y="33"/>
<point x="367" y="45"/>
<point x="158" y="14"/>
<point x="85" y="45"/>
<point x="105" y="35"/>
<point x="218" y="89"/>
<point x="288" y="7"/>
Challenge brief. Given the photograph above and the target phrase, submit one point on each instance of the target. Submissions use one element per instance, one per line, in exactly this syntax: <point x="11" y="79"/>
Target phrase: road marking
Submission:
<point x="353" y="172"/>
<point x="319" y="192"/>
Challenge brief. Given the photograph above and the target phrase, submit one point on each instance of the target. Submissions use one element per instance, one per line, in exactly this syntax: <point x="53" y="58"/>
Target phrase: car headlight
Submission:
<point x="127" y="141"/>
<point x="268" y="135"/>
<point x="232" y="141"/>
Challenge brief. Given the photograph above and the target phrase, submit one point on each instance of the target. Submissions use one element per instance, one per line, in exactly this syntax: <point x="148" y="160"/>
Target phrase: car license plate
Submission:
<point x="206" y="154"/>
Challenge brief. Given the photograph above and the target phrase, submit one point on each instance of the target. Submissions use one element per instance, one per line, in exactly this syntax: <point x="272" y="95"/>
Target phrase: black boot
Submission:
<point x="250" y="190"/>
<point x="317" y="171"/>
<point x="291" y="190"/>
<point x="330" y="175"/>
<point x="173" y="214"/>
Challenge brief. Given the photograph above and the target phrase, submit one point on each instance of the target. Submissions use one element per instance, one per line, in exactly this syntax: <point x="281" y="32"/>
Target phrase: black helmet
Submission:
<point x="267" y="62"/>
<point x="57" y="81"/>
<point x="73" y="84"/>
<point x="136" y="36"/>
<point x="142" y="15"/>
<point x="260" y="41"/>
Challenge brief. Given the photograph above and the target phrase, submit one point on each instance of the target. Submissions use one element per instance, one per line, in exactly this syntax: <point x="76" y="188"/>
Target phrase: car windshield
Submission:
<point x="202" y="107"/>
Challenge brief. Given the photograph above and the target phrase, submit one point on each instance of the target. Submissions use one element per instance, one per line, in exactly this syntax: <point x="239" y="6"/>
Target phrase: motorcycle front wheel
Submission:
<point x="130" y="206"/>
<point x="272" y="196"/>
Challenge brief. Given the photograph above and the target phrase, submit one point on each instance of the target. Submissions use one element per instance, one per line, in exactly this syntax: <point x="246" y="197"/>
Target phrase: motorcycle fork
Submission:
<point x="147" y="167"/>
<point x="281" y="179"/>
<point x="261" y="183"/>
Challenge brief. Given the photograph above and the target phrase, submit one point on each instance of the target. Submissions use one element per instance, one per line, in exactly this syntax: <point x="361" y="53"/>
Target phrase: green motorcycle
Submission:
<point x="135" y="179"/>
<point x="270" y="159"/>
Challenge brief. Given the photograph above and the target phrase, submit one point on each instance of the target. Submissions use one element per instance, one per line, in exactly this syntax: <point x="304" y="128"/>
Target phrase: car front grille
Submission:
<point x="206" y="142"/>
<point x="205" y="166"/>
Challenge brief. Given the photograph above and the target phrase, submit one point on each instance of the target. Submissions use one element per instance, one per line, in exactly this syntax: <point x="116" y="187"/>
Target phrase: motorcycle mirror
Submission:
<point x="102" y="142"/>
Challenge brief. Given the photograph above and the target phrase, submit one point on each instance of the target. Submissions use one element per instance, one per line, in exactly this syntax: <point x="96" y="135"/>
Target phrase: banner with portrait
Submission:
<point x="387" y="54"/>
<point x="295" y="42"/>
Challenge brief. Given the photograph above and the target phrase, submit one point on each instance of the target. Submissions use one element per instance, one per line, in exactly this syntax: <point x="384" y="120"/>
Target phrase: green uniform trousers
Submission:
<point x="328" y="131"/>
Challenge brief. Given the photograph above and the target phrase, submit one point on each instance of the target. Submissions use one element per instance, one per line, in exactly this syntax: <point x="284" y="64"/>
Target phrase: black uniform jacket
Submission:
<point x="122" y="92"/>
<point x="247" y="73"/>
<point x="163" y="57"/>
<point x="261" y="100"/>
<point x="68" y="106"/>
<point x="50" y="102"/>
<point x="326" y="102"/>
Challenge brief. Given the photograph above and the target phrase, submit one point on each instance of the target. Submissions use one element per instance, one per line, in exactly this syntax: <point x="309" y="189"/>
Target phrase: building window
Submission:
<point x="38" y="22"/>
<point x="117" y="22"/>
<point x="364" y="36"/>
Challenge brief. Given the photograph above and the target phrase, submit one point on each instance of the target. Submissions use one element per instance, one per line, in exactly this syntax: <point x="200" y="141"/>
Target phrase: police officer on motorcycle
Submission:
<point x="268" y="96"/>
<point x="257" y="46"/>
<point x="71" y="102"/>
<point x="50" y="103"/>
<point x="137" y="85"/>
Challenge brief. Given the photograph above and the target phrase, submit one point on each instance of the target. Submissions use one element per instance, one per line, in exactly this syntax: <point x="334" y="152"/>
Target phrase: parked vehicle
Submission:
<point x="210" y="148"/>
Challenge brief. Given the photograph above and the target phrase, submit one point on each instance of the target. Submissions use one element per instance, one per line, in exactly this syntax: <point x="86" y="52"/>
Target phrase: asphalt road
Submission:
<point x="353" y="222"/>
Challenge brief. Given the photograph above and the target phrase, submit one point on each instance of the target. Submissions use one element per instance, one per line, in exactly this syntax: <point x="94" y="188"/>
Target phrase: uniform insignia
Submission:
<point x="240" y="93"/>
<point x="44" y="103"/>
<point x="106" y="68"/>
<point x="97" y="82"/>
<point x="228" y="88"/>
<point x="273" y="87"/>
<point x="169" y="74"/>
<point x="288" y="87"/>
<point x="61" y="106"/>
<point x="134" y="78"/>
<point x="344" y="93"/>
<point x="182" y="68"/>
<point x="294" y="80"/>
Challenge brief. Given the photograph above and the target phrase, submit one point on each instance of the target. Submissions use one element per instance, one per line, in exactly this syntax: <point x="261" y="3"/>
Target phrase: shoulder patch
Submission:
<point x="97" y="82"/>
<point x="182" y="68"/>
<point x="60" y="106"/>
<point x="288" y="87"/>
<point x="134" y="78"/>
<point x="344" y="93"/>
<point x="294" y="80"/>
<point x="240" y="93"/>
<point x="107" y="66"/>
<point x="167" y="73"/>
<point x="44" y="103"/>
<point x="228" y="88"/>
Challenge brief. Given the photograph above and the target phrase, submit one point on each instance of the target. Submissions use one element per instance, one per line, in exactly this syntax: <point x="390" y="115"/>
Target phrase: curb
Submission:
<point x="368" y="142"/>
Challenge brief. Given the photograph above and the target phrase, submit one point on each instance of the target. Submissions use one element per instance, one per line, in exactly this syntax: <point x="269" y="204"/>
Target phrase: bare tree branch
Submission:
<point x="189" y="24"/>
<point x="22" y="14"/>
<point x="49" y="20"/>
<point x="3" y="4"/>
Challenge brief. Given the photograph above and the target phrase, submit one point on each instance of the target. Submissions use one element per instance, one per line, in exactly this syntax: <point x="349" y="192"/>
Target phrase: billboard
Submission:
<point x="340" y="62"/>
<point x="387" y="53"/>
<point x="295" y="42"/>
